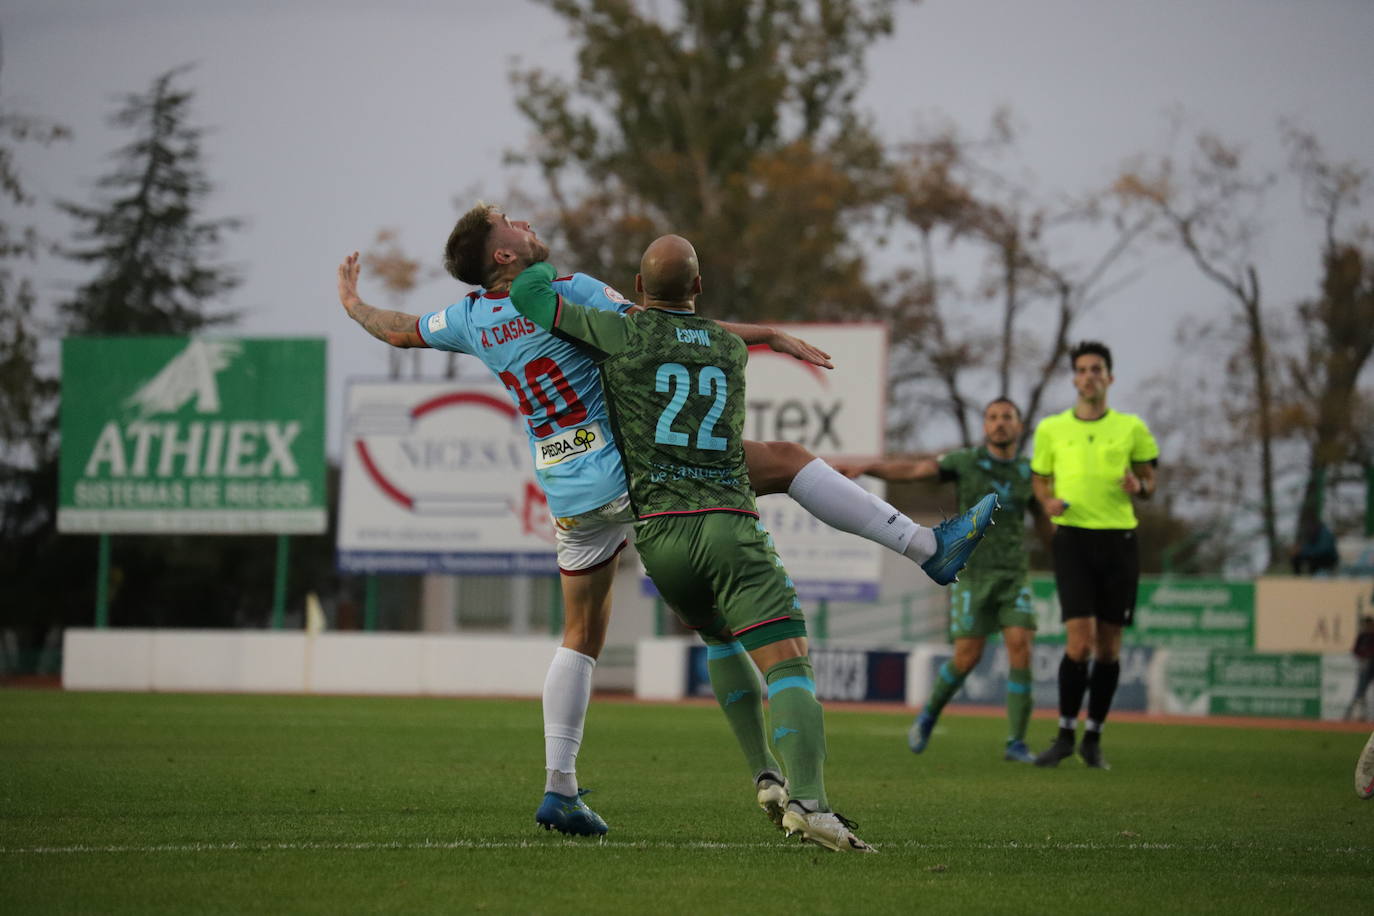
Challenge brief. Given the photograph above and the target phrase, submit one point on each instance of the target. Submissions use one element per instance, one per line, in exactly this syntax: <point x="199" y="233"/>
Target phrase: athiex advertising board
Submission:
<point x="192" y="435"/>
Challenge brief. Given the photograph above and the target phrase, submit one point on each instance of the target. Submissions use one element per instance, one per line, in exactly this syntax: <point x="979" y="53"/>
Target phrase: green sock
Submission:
<point x="1018" y="702"/>
<point x="947" y="684"/>
<point x="736" y="685"/>
<point x="798" y="728"/>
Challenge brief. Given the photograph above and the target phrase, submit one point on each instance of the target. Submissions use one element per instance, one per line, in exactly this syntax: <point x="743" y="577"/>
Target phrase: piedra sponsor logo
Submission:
<point x="571" y="444"/>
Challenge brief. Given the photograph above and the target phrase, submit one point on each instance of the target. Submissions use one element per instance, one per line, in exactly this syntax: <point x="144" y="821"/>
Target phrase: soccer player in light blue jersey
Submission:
<point x="557" y="388"/>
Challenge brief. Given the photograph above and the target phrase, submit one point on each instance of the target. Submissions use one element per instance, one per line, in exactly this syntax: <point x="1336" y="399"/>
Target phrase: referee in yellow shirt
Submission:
<point x="1087" y="464"/>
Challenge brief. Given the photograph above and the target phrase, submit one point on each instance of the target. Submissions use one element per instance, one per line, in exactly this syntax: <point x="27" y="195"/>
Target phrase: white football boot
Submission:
<point x="772" y="796"/>
<point x="1364" y="770"/>
<point x="824" y="828"/>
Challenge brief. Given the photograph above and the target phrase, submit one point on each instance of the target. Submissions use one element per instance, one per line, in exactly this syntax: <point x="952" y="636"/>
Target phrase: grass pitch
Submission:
<point x="246" y="804"/>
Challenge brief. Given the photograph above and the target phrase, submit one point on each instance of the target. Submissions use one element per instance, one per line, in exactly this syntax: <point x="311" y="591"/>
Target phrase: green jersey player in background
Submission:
<point x="992" y="593"/>
<point x="674" y="384"/>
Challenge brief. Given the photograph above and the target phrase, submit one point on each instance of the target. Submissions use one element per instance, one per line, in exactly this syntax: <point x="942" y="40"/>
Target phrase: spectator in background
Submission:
<point x="1317" y="550"/>
<point x="1364" y="660"/>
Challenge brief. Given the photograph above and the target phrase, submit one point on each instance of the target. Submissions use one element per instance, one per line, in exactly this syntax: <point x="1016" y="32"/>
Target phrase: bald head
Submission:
<point x="669" y="272"/>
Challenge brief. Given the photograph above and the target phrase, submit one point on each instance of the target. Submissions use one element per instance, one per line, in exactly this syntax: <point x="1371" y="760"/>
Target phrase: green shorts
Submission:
<point x="988" y="602"/>
<point x="719" y="573"/>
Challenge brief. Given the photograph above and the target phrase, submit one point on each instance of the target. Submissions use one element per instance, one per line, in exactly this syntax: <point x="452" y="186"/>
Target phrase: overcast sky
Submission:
<point x="334" y="119"/>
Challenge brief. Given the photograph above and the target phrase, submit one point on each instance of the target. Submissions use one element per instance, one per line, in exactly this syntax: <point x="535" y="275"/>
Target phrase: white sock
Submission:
<point x="843" y="504"/>
<point x="567" y="691"/>
<point x="923" y="545"/>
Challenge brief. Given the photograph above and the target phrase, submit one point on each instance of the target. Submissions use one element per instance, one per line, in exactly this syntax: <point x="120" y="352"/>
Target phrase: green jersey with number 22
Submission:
<point x="674" y="384"/>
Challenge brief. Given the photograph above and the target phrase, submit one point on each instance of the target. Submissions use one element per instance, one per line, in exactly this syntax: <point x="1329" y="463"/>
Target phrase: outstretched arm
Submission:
<point x="891" y="468"/>
<point x="780" y="341"/>
<point x="396" y="328"/>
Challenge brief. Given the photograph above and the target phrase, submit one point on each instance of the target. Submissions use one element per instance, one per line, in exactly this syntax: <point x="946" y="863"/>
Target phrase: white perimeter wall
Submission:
<point x="294" y="662"/>
<point x="229" y="661"/>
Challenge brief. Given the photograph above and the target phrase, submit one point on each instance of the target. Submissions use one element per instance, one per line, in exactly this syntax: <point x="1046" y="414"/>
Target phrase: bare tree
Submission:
<point x="949" y="191"/>
<point x="1210" y="209"/>
<point x="1336" y="330"/>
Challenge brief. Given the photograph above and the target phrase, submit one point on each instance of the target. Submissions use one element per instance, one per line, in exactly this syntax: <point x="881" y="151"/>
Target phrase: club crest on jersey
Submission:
<point x="572" y="444"/>
<point x="615" y="296"/>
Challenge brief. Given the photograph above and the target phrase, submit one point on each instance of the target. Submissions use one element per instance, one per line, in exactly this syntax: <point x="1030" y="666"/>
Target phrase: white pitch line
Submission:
<point x="631" y="845"/>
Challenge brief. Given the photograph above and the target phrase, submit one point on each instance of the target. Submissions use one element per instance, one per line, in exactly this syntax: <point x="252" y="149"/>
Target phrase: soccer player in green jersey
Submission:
<point x="675" y="387"/>
<point x="558" y="389"/>
<point x="992" y="593"/>
<point x="1088" y="462"/>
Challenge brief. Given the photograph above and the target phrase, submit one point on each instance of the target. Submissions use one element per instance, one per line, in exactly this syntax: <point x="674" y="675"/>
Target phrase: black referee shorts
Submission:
<point x="1096" y="573"/>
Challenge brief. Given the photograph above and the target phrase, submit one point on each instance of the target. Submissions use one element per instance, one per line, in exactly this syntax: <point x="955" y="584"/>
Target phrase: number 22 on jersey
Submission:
<point x="675" y="380"/>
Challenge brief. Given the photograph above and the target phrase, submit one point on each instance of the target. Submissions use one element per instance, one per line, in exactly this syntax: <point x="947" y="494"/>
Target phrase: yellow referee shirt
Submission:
<point x="1087" y="459"/>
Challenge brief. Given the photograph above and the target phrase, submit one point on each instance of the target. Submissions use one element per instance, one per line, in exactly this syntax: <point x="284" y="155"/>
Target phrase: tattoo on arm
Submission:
<point x="395" y="328"/>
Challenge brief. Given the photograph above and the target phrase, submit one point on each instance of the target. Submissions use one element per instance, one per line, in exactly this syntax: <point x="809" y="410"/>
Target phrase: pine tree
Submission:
<point x="28" y="399"/>
<point x="154" y="268"/>
<point x="26" y="396"/>
<point x="153" y="254"/>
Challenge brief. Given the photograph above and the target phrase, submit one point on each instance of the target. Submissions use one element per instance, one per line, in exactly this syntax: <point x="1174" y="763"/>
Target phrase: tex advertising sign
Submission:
<point x="1172" y="612"/>
<point x="192" y="435"/>
<point x="834" y="413"/>
<point x="437" y="478"/>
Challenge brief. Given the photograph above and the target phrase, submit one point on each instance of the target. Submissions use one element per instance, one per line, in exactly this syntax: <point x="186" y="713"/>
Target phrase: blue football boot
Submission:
<point x="918" y="736"/>
<point x="568" y="814"/>
<point x="955" y="539"/>
<point x="1017" y="752"/>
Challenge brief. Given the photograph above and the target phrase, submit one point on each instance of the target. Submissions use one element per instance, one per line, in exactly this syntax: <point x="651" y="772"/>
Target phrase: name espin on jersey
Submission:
<point x="505" y="333"/>
<point x="697" y="336"/>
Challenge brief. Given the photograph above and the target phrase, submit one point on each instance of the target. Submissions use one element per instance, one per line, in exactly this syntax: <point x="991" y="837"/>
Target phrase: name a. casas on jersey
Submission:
<point x="572" y="443"/>
<point x="507" y="331"/>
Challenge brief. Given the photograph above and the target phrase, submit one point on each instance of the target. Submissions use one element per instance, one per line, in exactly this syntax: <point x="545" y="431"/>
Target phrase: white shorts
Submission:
<point x="589" y="541"/>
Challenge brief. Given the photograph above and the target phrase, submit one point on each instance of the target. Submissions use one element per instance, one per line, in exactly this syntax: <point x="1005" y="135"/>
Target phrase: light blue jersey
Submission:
<point x="556" y="386"/>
